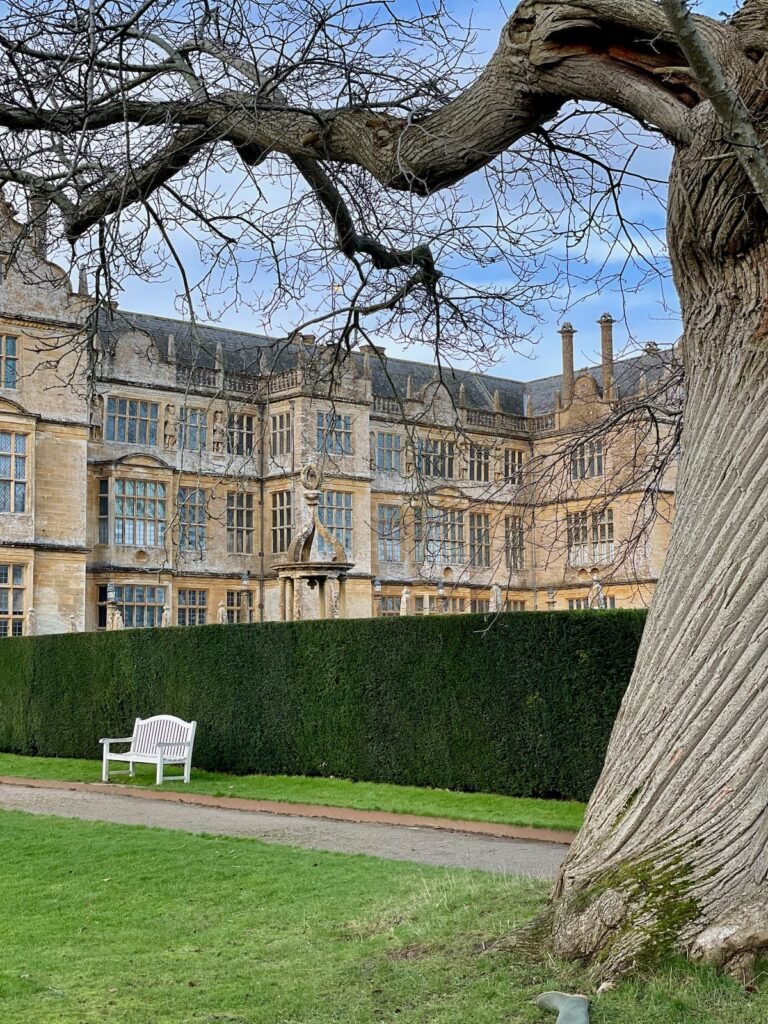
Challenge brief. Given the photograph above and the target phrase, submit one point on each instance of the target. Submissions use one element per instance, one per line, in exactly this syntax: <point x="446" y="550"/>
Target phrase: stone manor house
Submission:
<point x="165" y="473"/>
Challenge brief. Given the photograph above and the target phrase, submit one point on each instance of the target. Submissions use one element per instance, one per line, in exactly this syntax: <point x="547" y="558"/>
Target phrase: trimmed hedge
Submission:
<point x="523" y="708"/>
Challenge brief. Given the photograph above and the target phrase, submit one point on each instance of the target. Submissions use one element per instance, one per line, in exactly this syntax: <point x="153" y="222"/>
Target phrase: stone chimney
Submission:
<point x="38" y="223"/>
<point x="606" y="322"/>
<point x="567" y="332"/>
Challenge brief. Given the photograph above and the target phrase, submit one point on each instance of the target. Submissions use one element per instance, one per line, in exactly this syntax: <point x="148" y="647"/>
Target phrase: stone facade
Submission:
<point x="154" y="462"/>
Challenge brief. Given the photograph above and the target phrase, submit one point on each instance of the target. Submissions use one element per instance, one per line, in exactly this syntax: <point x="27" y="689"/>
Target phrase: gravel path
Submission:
<point x="395" y="842"/>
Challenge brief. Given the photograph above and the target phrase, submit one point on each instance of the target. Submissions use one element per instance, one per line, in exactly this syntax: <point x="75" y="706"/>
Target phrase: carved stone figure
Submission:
<point x="496" y="604"/>
<point x="170" y="431"/>
<point x="219" y="433"/>
<point x="596" y="595"/>
<point x="97" y="417"/>
<point x="405" y="601"/>
<point x="114" y="617"/>
<point x="221" y="614"/>
<point x="166" y="619"/>
<point x="30" y="625"/>
<point x="72" y="624"/>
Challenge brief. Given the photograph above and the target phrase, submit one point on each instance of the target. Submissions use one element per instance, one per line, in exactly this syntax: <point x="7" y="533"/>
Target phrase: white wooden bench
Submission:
<point x="160" y="740"/>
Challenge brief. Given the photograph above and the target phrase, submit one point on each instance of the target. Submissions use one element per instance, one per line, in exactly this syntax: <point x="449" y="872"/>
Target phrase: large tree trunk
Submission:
<point x="674" y="851"/>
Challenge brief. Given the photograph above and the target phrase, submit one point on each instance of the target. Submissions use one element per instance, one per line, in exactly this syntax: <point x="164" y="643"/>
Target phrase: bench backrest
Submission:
<point x="148" y="732"/>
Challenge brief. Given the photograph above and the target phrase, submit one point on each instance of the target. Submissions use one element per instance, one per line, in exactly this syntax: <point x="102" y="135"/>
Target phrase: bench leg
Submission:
<point x="131" y="768"/>
<point x="159" y="778"/>
<point x="105" y="765"/>
<point x="187" y="770"/>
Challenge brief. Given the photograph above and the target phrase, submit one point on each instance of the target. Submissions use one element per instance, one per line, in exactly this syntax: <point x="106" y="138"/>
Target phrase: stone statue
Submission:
<point x="166" y="619"/>
<point x="596" y="595"/>
<point x="221" y="614"/>
<point x="72" y="624"/>
<point x="169" y="427"/>
<point x="96" y="418"/>
<point x="219" y="433"/>
<point x="405" y="601"/>
<point x="114" y="617"/>
<point x="496" y="604"/>
<point x="30" y="626"/>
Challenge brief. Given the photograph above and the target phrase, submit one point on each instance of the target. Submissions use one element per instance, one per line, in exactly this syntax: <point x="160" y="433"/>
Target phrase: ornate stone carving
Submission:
<point x="405" y="601"/>
<point x="166" y="619"/>
<point x="170" y="428"/>
<point x="114" y="617"/>
<point x="219" y="434"/>
<point x="496" y="604"/>
<point x="221" y="614"/>
<point x="97" y="417"/>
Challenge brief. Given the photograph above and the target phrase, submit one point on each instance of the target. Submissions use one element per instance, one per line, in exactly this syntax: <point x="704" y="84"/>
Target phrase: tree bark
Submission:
<point x="674" y="850"/>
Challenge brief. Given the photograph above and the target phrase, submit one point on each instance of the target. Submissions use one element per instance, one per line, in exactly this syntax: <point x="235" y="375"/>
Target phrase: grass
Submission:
<point x="108" y="924"/>
<point x="367" y="796"/>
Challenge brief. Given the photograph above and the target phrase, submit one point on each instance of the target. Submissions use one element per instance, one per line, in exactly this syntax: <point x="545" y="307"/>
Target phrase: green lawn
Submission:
<point x="107" y="924"/>
<point x="368" y="796"/>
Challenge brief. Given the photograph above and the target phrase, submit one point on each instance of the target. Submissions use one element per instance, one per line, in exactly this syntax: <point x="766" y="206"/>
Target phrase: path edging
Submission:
<point x="542" y="835"/>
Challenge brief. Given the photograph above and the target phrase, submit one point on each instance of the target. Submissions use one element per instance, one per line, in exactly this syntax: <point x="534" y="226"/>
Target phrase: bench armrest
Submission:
<point x="178" y="743"/>
<point x="120" y="739"/>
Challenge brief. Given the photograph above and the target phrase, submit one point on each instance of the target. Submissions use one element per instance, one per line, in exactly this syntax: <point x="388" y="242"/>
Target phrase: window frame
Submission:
<point x="281" y="434"/>
<point x="18" y="453"/>
<point x="389" y="525"/>
<point x="187" y="611"/>
<point x="388" y="452"/>
<point x="240" y="523"/>
<point x="9" y="362"/>
<point x="145" y="427"/>
<point x="480" y="540"/>
<point x="337" y="516"/>
<point x="334" y="433"/>
<point x="514" y="543"/>
<point x="152" y="538"/>
<point x="282" y="521"/>
<point x="13" y="589"/>
<point x="197" y="528"/>
<point x="479" y="463"/>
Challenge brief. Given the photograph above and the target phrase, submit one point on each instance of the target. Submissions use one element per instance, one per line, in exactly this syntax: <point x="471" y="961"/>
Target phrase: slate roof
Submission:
<point x="242" y="351"/>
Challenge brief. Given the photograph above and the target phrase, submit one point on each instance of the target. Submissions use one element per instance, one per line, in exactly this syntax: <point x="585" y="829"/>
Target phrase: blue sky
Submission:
<point x="649" y="313"/>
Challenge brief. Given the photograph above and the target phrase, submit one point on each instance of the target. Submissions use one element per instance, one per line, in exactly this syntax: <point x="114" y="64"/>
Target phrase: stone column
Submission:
<point x="289" y="585"/>
<point x="322" y="608"/>
<point x="281" y="599"/>
<point x="342" y="597"/>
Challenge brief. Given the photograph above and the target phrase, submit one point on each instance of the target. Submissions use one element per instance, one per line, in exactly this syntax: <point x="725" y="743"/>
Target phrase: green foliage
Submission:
<point x="522" y="706"/>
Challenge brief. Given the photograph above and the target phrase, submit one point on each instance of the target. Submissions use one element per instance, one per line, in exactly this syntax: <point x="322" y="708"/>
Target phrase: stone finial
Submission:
<point x="367" y="366"/>
<point x="496" y="401"/>
<point x="82" y="282"/>
<point x="171" y="348"/>
<point x="529" y="407"/>
<point x="221" y="613"/>
<point x="219" y="356"/>
<point x="462" y="397"/>
<point x="409" y="387"/>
